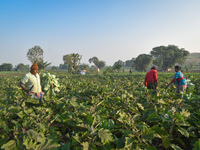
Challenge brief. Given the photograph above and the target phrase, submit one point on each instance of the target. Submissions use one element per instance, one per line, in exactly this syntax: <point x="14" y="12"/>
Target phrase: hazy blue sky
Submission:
<point x="112" y="30"/>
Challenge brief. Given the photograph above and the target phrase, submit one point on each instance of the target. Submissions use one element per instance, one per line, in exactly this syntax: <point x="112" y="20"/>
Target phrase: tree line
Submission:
<point x="163" y="57"/>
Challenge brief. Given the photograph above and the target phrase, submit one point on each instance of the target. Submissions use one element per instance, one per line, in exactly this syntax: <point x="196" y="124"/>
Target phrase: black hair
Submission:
<point x="153" y="67"/>
<point x="178" y="67"/>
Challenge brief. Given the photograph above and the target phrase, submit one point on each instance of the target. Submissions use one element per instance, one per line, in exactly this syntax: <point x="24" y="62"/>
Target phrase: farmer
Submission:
<point x="130" y="71"/>
<point x="151" y="79"/>
<point x="179" y="80"/>
<point x="32" y="82"/>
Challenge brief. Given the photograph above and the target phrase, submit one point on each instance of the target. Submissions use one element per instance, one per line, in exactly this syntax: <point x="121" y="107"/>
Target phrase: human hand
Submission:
<point x="27" y="91"/>
<point x="167" y="86"/>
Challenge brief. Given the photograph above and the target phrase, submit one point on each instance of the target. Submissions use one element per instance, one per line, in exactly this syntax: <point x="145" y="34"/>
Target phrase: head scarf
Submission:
<point x="34" y="67"/>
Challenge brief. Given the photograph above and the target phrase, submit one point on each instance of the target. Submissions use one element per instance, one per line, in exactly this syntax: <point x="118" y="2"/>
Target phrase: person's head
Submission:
<point x="177" y="68"/>
<point x="154" y="67"/>
<point x="34" y="69"/>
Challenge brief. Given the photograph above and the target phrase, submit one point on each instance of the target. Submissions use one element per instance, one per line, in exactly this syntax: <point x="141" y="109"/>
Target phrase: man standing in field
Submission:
<point x="32" y="82"/>
<point x="151" y="79"/>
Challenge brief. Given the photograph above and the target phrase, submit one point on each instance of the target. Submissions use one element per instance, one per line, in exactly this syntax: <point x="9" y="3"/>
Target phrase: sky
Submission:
<point x="111" y="30"/>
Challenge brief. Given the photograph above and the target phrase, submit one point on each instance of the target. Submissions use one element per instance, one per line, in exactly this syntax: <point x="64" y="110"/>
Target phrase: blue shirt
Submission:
<point x="179" y="75"/>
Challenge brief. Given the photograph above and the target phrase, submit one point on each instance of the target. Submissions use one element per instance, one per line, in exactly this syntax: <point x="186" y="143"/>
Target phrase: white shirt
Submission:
<point x="32" y="80"/>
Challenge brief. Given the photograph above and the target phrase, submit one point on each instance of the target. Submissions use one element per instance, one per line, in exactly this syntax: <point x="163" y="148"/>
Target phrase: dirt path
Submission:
<point x="11" y="74"/>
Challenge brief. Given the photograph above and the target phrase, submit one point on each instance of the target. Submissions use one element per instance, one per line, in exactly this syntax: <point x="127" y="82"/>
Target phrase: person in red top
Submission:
<point x="151" y="79"/>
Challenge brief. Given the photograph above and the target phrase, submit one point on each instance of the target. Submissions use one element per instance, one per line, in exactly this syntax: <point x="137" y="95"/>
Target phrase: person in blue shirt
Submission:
<point x="179" y="80"/>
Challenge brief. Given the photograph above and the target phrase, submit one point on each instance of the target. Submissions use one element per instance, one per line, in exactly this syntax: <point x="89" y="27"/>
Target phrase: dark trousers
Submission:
<point x="152" y="85"/>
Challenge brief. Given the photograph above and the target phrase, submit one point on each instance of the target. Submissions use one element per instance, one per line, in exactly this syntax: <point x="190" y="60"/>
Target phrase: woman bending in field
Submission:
<point x="179" y="80"/>
<point x="151" y="79"/>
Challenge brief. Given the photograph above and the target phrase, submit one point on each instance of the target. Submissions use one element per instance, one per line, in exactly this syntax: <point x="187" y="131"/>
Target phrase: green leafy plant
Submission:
<point x="100" y="112"/>
<point x="50" y="84"/>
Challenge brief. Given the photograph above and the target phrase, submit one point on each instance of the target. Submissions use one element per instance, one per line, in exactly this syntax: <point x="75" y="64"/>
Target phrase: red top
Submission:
<point x="151" y="77"/>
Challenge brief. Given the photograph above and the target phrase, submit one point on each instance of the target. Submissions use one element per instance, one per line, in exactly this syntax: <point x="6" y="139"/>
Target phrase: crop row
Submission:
<point x="101" y="112"/>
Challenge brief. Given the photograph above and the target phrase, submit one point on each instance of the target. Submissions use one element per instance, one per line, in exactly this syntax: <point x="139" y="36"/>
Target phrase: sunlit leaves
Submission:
<point x="99" y="112"/>
<point x="105" y="135"/>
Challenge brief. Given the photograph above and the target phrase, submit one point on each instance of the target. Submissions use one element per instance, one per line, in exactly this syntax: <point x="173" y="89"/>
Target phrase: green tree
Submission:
<point x="101" y="64"/>
<point x="94" y="60"/>
<point x="27" y="67"/>
<point x="84" y="66"/>
<point x="130" y="63"/>
<point x="42" y="65"/>
<point x="54" y="68"/>
<point x="73" y="61"/>
<point x="119" y="62"/>
<point x="109" y="70"/>
<point x="20" y="66"/>
<point x="118" y="66"/>
<point x="98" y="63"/>
<point x="63" y="66"/>
<point x="67" y="60"/>
<point x="142" y="62"/>
<point x="6" y="67"/>
<point x="35" y="54"/>
<point x="166" y="56"/>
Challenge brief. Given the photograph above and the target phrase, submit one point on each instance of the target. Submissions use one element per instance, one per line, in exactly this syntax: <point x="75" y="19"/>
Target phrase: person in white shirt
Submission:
<point x="30" y="83"/>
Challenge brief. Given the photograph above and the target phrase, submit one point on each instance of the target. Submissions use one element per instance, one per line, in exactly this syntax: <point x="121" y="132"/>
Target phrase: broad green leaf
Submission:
<point x="181" y="142"/>
<point x="29" y="143"/>
<point x="89" y="119"/>
<point x="123" y="116"/>
<point x="175" y="147"/>
<point x="151" y="148"/>
<point x="105" y="135"/>
<point x="74" y="103"/>
<point x="92" y="147"/>
<point x="147" y="135"/>
<point x="21" y="114"/>
<point x="130" y="143"/>
<point x="180" y="120"/>
<point x="47" y="145"/>
<point x="161" y="101"/>
<point x="5" y="127"/>
<point x="85" y="145"/>
<point x="111" y="123"/>
<point x="140" y="106"/>
<point x="120" y="142"/>
<point x="13" y="109"/>
<point x="185" y="113"/>
<point x="124" y="96"/>
<point x="166" y="142"/>
<point x="100" y="103"/>
<point x="42" y="127"/>
<point x="27" y="123"/>
<point x="159" y="130"/>
<point x="17" y="125"/>
<point x="66" y="146"/>
<point x="153" y="117"/>
<point x="196" y="146"/>
<point x="34" y="135"/>
<point x="184" y="132"/>
<point x="9" y="145"/>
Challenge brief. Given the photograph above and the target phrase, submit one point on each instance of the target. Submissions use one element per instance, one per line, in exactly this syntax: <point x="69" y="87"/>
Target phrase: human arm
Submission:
<point x="145" y="82"/>
<point x="176" y="76"/>
<point x="24" y="88"/>
<point x="155" y="77"/>
<point x="168" y="85"/>
<point x="27" y="84"/>
<point x="171" y="82"/>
